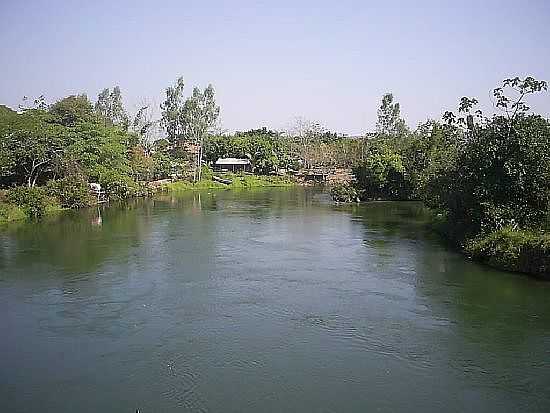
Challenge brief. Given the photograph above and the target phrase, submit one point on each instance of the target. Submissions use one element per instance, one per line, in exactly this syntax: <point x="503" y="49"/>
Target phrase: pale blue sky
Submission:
<point x="272" y="61"/>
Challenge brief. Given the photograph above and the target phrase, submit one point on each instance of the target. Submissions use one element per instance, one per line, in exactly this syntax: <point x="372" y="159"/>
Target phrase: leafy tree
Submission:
<point x="31" y="143"/>
<point x="72" y="109"/>
<point x="501" y="173"/>
<point x="172" y="111"/>
<point x="390" y="122"/>
<point x="200" y="113"/>
<point x="110" y="108"/>
<point x="7" y="159"/>
<point x="382" y="173"/>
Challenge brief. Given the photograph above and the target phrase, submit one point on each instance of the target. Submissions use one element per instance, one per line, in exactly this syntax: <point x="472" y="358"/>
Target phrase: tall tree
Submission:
<point x="389" y="117"/>
<point x="172" y="111"/>
<point x="111" y="109"/>
<point x="144" y="125"/>
<point x="200" y="113"/>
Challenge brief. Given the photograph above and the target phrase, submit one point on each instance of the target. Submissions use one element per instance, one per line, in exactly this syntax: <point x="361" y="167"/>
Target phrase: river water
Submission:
<point x="262" y="301"/>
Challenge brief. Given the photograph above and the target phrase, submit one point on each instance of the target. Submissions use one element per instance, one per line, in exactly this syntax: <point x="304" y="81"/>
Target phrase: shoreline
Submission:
<point x="11" y="213"/>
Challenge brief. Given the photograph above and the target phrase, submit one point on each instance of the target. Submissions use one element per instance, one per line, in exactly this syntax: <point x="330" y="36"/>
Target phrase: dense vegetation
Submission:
<point x="49" y="153"/>
<point x="488" y="178"/>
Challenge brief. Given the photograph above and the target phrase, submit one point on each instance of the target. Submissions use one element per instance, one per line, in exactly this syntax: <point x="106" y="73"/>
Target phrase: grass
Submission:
<point x="239" y="181"/>
<point x="514" y="250"/>
<point x="10" y="213"/>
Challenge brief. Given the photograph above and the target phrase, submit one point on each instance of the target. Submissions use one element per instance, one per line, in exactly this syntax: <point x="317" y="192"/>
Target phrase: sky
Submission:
<point x="273" y="61"/>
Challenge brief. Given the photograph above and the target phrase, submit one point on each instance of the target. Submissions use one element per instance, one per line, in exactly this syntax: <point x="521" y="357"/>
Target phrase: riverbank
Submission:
<point x="26" y="204"/>
<point x="520" y="251"/>
<point x="35" y="205"/>
<point x="238" y="181"/>
<point x="13" y="213"/>
<point x="513" y="250"/>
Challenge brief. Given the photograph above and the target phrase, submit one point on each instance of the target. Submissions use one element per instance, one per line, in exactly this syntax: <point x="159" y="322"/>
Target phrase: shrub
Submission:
<point x="382" y="174"/>
<point x="206" y="172"/>
<point x="513" y="250"/>
<point x="10" y="212"/>
<point x="344" y="193"/>
<point x="72" y="192"/>
<point x="34" y="201"/>
<point x="120" y="186"/>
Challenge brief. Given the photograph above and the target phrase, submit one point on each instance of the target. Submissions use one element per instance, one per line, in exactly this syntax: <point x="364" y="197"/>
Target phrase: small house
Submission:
<point x="233" y="165"/>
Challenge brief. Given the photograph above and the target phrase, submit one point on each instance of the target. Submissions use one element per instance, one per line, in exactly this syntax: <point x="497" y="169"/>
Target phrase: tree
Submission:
<point x="200" y="113"/>
<point x="33" y="143"/>
<point x="382" y="174"/>
<point x="110" y="108"/>
<point x="172" y="111"/>
<point x="144" y="126"/>
<point x="390" y="122"/>
<point x="72" y="109"/>
<point x="307" y="132"/>
<point x="501" y="173"/>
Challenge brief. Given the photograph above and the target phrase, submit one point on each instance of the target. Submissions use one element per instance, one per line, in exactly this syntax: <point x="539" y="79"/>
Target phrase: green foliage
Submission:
<point x="72" y="109"/>
<point x="344" y="193"/>
<point x="172" y="111"/>
<point x="382" y="174"/>
<point x="30" y="143"/>
<point x="207" y="172"/>
<point x="141" y="164"/>
<point x="390" y="122"/>
<point x="33" y="201"/>
<point x="10" y="212"/>
<point x="72" y="191"/>
<point x="238" y="181"/>
<point x="501" y="177"/>
<point x="99" y="150"/>
<point x="267" y="153"/>
<point x="162" y="165"/>
<point x="110" y="109"/>
<point x="119" y="186"/>
<point x="513" y="250"/>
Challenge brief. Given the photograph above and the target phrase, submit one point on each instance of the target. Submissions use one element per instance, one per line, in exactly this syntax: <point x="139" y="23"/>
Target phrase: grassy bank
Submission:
<point x="507" y="249"/>
<point x="12" y="213"/>
<point x="238" y="181"/>
<point x="22" y="203"/>
<point x="513" y="250"/>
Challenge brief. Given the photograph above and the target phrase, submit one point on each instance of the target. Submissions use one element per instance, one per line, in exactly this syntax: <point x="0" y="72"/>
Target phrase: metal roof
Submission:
<point x="232" y="161"/>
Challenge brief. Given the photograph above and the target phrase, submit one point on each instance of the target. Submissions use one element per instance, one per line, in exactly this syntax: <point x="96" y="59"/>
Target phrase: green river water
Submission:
<point x="262" y="301"/>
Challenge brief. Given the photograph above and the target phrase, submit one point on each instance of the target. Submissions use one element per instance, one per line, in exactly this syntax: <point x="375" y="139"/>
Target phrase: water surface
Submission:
<point x="263" y="301"/>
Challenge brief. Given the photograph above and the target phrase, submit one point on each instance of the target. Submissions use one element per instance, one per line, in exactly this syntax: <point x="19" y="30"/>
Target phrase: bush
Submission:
<point x="120" y="186"/>
<point x="33" y="201"/>
<point x="10" y="212"/>
<point x="72" y="192"/>
<point x="344" y="193"/>
<point x="206" y="172"/>
<point x="513" y="250"/>
<point x="501" y="177"/>
<point x="382" y="174"/>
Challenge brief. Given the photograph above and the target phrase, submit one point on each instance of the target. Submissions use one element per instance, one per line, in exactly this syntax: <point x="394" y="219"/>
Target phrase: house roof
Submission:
<point x="232" y="161"/>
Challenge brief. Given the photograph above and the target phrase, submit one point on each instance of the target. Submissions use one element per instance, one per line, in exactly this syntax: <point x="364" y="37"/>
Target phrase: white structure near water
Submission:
<point x="233" y="165"/>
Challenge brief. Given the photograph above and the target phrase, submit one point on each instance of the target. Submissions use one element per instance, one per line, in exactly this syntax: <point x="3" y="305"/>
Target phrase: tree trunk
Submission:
<point x="200" y="158"/>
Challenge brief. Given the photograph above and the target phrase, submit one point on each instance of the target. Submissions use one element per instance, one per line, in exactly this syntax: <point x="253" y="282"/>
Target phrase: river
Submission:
<point x="262" y="301"/>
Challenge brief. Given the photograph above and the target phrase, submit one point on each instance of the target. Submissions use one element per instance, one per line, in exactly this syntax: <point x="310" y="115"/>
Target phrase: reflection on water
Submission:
<point x="271" y="300"/>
